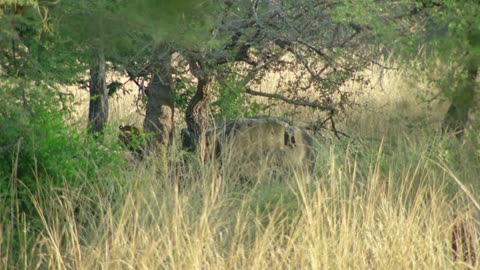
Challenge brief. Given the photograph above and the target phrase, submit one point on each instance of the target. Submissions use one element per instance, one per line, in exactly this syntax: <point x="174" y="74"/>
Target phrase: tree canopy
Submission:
<point x="443" y="37"/>
<point x="325" y="44"/>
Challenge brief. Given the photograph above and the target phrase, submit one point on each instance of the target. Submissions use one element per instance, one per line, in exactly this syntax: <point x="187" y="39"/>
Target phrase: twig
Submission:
<point x="328" y="107"/>
<point x="315" y="129"/>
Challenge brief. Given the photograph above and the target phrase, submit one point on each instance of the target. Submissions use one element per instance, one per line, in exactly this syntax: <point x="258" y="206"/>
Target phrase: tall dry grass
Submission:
<point x="388" y="198"/>
<point x="349" y="215"/>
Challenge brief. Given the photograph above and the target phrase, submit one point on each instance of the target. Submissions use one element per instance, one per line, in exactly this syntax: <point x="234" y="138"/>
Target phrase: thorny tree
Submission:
<point x="303" y="37"/>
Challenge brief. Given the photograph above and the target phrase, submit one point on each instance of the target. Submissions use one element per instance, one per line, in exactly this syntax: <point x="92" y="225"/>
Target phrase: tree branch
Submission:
<point x="325" y="107"/>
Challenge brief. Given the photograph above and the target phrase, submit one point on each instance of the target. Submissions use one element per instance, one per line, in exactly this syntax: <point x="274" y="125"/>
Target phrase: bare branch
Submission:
<point x="316" y="50"/>
<point x="307" y="66"/>
<point x="324" y="107"/>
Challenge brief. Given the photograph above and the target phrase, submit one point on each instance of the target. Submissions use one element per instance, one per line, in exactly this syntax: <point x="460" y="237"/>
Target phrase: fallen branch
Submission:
<point x="325" y="107"/>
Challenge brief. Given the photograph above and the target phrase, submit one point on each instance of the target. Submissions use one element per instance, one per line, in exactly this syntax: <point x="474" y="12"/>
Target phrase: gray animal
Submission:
<point x="252" y="144"/>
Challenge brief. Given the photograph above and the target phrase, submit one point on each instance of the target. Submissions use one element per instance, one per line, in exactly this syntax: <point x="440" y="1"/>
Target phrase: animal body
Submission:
<point x="252" y="144"/>
<point x="132" y="138"/>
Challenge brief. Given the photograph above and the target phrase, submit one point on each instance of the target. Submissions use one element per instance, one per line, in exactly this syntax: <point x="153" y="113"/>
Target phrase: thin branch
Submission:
<point x="307" y="66"/>
<point x="332" y="123"/>
<point x="316" y="130"/>
<point x="325" y="107"/>
<point x="333" y="129"/>
<point x="313" y="48"/>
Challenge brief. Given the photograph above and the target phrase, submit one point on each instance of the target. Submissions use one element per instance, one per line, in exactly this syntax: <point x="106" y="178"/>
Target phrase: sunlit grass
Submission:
<point x="360" y="216"/>
<point x="389" y="197"/>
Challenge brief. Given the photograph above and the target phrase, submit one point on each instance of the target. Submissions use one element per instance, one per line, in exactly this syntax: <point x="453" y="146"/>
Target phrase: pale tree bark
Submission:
<point x="196" y="114"/>
<point x="160" y="102"/>
<point x="98" y="106"/>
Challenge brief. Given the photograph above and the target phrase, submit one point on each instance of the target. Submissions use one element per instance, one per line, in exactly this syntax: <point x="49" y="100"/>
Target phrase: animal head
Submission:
<point x="129" y="129"/>
<point x="132" y="139"/>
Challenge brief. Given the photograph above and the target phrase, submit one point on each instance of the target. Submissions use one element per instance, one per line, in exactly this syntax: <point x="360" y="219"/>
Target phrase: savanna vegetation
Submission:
<point x="388" y="88"/>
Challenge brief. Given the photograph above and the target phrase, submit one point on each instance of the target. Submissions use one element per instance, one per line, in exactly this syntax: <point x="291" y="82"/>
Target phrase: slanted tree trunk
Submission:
<point x="98" y="106"/>
<point x="160" y="102"/>
<point x="462" y="101"/>
<point x="196" y="115"/>
<point x="463" y="98"/>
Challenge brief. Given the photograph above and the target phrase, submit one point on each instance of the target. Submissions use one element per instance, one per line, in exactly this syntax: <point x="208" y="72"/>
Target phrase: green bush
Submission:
<point x="38" y="150"/>
<point x="232" y="103"/>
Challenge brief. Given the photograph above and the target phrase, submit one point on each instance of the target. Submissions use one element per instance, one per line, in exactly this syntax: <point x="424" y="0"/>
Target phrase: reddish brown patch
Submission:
<point x="464" y="238"/>
<point x="131" y="138"/>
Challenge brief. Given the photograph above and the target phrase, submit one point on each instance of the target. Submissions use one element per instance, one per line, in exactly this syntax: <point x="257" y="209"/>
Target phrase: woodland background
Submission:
<point x="392" y="85"/>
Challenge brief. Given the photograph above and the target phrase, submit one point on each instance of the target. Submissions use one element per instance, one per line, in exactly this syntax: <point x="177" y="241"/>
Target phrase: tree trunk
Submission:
<point x="463" y="98"/>
<point x="196" y="114"/>
<point x="160" y="102"/>
<point x="462" y="101"/>
<point x="98" y="107"/>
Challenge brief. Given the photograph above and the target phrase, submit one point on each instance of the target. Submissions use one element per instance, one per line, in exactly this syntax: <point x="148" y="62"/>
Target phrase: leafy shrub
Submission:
<point x="38" y="149"/>
<point x="231" y="102"/>
<point x="184" y="91"/>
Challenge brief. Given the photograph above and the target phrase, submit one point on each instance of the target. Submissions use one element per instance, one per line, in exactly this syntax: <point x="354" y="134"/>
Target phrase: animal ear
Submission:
<point x="289" y="139"/>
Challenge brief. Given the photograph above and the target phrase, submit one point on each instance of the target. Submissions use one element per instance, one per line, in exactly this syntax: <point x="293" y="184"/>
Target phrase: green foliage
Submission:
<point x="40" y="154"/>
<point x="184" y="90"/>
<point x="411" y="26"/>
<point x="31" y="50"/>
<point x="463" y="156"/>
<point x="271" y="197"/>
<point x="38" y="148"/>
<point x="19" y="2"/>
<point x="232" y="103"/>
<point x="186" y="21"/>
<point x="441" y="37"/>
<point x="113" y="87"/>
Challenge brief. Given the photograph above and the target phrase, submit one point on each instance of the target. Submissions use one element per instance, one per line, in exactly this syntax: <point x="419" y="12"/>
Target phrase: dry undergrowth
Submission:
<point x="348" y="217"/>
<point x="386" y="200"/>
